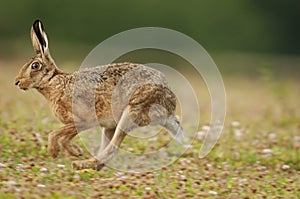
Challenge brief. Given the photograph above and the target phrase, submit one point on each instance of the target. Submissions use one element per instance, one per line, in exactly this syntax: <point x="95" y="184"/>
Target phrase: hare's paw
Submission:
<point x="74" y="150"/>
<point x="53" y="149"/>
<point x="91" y="163"/>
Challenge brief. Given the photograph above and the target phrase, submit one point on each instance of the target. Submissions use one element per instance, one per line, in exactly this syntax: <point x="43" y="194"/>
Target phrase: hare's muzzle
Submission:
<point x="22" y="87"/>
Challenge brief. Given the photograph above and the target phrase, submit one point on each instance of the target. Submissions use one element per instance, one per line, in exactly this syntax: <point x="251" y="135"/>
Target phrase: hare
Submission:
<point x="123" y="96"/>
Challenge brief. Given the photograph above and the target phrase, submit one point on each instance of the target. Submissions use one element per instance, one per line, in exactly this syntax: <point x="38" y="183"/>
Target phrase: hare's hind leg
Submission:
<point x="107" y="135"/>
<point x="174" y="128"/>
<point x="109" y="151"/>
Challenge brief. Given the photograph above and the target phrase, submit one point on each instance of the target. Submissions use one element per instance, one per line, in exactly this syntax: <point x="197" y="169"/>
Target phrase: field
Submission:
<point x="257" y="156"/>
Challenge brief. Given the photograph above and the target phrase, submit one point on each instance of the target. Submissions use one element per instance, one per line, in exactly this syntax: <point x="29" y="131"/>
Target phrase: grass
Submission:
<point x="257" y="156"/>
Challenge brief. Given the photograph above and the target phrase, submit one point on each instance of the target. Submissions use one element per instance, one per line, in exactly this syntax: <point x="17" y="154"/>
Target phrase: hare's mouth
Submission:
<point x="22" y="88"/>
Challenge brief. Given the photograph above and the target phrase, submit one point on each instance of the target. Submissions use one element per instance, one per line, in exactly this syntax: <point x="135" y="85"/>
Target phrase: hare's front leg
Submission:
<point x="71" y="148"/>
<point x="66" y="132"/>
<point x="75" y="150"/>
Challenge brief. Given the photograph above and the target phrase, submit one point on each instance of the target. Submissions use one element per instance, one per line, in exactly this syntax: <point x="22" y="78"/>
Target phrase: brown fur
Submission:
<point x="122" y="95"/>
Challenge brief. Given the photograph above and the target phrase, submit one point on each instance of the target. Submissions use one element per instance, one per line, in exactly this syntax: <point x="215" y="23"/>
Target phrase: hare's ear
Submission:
<point x="39" y="38"/>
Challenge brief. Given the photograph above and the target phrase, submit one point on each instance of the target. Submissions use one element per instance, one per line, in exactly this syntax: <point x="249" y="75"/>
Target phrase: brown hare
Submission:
<point x="123" y="96"/>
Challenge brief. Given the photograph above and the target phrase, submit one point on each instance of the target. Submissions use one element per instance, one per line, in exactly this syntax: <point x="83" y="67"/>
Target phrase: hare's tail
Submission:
<point x="174" y="128"/>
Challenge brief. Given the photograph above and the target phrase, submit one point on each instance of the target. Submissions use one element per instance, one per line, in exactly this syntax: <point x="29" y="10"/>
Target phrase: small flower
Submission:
<point x="2" y="165"/>
<point x="261" y="168"/>
<point x="235" y="124"/>
<point x="208" y="165"/>
<point x="205" y="128"/>
<point x="61" y="166"/>
<point x="272" y="136"/>
<point x="296" y="138"/>
<point x="121" y="178"/>
<point x="119" y="174"/>
<point x="12" y="182"/>
<point x="267" y="151"/>
<point x="182" y="177"/>
<point x="41" y="186"/>
<point x="238" y="133"/>
<point x="45" y="120"/>
<point x="130" y="149"/>
<point x="185" y="162"/>
<point x="147" y="188"/>
<point x="285" y="167"/>
<point x="43" y="169"/>
<point x="213" y="192"/>
<point x="20" y="167"/>
<point x="76" y="177"/>
<point x="201" y="135"/>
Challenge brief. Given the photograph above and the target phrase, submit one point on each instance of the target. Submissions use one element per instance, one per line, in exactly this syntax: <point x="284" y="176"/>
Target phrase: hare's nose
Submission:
<point x="17" y="83"/>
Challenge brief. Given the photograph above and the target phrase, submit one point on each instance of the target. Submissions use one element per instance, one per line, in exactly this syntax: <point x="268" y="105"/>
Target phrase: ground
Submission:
<point x="257" y="155"/>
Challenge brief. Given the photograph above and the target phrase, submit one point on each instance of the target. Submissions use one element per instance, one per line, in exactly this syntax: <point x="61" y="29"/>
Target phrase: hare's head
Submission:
<point x="40" y="68"/>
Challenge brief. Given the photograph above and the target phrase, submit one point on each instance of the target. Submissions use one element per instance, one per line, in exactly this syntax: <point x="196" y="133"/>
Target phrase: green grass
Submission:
<point x="240" y="166"/>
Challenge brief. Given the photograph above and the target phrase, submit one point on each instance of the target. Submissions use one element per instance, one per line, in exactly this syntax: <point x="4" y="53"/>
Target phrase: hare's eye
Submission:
<point x="35" y="65"/>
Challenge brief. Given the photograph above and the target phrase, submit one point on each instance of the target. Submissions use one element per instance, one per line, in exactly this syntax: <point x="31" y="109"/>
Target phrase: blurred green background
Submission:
<point x="256" y="46"/>
<point x="232" y="31"/>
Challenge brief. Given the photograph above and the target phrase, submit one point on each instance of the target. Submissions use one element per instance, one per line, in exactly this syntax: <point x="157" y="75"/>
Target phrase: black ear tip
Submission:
<point x="37" y="22"/>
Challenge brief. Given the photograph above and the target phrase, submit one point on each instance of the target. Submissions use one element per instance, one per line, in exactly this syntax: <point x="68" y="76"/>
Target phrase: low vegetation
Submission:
<point x="258" y="155"/>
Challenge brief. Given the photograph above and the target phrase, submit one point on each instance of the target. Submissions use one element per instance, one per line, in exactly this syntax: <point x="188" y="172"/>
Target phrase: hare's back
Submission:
<point x="144" y="90"/>
<point x="119" y="85"/>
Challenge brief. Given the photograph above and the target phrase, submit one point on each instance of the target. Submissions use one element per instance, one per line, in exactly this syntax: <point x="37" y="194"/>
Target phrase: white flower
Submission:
<point x="18" y="190"/>
<point x="121" y="178"/>
<point x="267" y="151"/>
<point x="201" y="135"/>
<point x="238" y="133"/>
<point x="76" y="176"/>
<point x="297" y="138"/>
<point x="262" y="168"/>
<point x="2" y="165"/>
<point x="61" y="166"/>
<point x="43" y="169"/>
<point x="147" y="188"/>
<point x="235" y="124"/>
<point x="182" y="177"/>
<point x="205" y="128"/>
<point x="213" y="192"/>
<point x="272" y="136"/>
<point x="19" y="167"/>
<point x="130" y="149"/>
<point x="119" y="174"/>
<point x="285" y="167"/>
<point x="208" y="165"/>
<point x="12" y="182"/>
<point x="41" y="186"/>
<point x="45" y="120"/>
